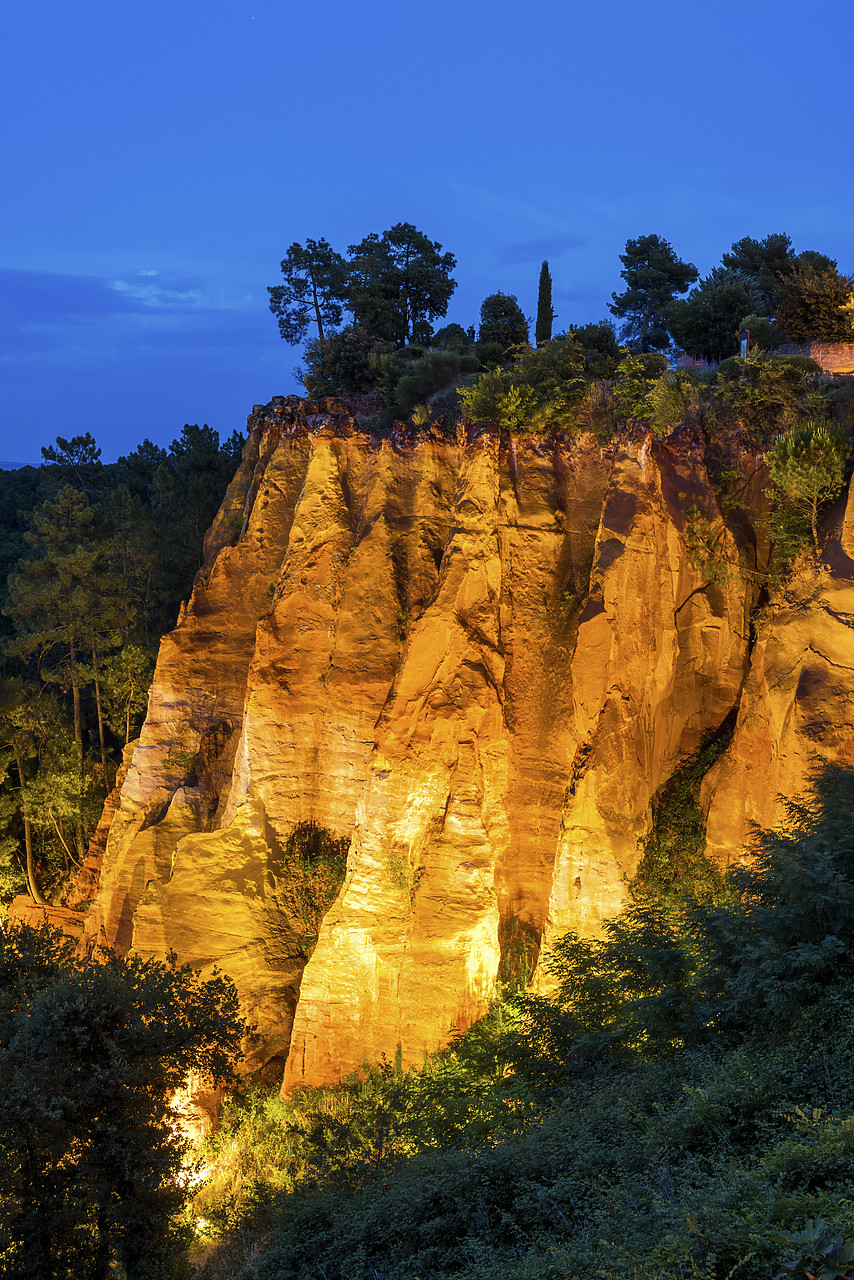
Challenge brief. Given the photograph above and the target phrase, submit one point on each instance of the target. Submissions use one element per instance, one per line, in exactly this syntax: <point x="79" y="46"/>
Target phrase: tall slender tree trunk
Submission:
<point x="320" y="335"/>
<point x="100" y="713"/>
<point x="32" y="883"/>
<point x="78" y="738"/>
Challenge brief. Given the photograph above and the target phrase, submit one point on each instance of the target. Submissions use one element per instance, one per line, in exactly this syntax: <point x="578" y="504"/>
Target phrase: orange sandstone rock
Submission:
<point x="797" y="709"/>
<point x="476" y="661"/>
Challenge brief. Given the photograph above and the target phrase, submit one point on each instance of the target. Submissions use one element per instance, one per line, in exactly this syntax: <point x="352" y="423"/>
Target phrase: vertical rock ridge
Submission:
<point x="658" y="663"/>
<point x="797" y="710"/>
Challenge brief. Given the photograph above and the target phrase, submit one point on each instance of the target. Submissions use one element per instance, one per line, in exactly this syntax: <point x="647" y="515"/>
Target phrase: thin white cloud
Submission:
<point x="161" y="298"/>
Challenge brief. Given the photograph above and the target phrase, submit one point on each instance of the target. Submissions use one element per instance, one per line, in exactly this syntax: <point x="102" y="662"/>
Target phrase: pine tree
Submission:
<point x="545" y="314"/>
<point x="54" y="597"/>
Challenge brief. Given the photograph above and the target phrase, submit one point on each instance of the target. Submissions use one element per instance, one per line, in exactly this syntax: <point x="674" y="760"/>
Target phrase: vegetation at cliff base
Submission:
<point x="680" y="1106"/>
<point x="92" y="1168"/>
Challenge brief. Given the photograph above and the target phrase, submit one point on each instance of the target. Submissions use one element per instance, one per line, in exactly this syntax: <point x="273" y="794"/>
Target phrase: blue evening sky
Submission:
<point x="159" y="157"/>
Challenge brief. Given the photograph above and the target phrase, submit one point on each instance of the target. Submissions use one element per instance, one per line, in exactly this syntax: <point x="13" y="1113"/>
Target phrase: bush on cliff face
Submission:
<point x="807" y="467"/>
<point x="767" y="394"/>
<point x="314" y="865"/>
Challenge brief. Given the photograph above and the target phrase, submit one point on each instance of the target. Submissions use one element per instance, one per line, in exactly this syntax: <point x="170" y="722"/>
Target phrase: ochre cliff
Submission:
<point x="470" y="664"/>
<point x="797" y="709"/>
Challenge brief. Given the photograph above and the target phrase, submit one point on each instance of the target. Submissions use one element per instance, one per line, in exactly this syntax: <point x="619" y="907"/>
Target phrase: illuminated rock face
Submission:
<point x="797" y="709"/>
<point x="468" y="663"/>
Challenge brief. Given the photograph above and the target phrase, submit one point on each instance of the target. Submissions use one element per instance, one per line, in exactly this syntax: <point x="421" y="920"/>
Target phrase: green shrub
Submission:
<point x="767" y="393"/>
<point x="493" y="397"/>
<point x="432" y="372"/>
<point x="502" y="326"/>
<point x="673" y="862"/>
<point x="684" y="1098"/>
<point x="351" y="360"/>
<point x="314" y="866"/>
<point x="554" y="374"/>
<point x="672" y="399"/>
<point x="597" y="411"/>
<point x="452" y="337"/>
<point x="807" y="466"/>
<point x="764" y="334"/>
<point x="635" y="376"/>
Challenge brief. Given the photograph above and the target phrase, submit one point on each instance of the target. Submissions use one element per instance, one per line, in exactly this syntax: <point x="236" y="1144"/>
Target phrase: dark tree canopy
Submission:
<point x="91" y="1053"/>
<point x="815" y="303"/>
<point x="452" y="337"/>
<point x="653" y="276"/>
<point x="95" y="561"/>
<point x="706" y="324"/>
<point x="398" y="283"/>
<point x="545" y="313"/>
<point x="598" y="341"/>
<point x="764" y="263"/>
<point x="314" y="289"/>
<point x="502" y="326"/>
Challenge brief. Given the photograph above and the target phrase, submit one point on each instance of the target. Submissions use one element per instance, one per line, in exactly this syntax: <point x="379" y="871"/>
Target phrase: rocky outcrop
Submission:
<point x="659" y="661"/>
<point x="466" y="663"/>
<point x="797" y="711"/>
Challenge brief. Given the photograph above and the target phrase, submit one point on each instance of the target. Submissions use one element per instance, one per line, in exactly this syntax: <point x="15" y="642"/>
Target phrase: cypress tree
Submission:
<point x="545" y="315"/>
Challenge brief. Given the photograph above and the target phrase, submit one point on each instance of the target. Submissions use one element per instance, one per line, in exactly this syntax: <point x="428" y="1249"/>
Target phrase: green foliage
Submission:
<point x="683" y="1099"/>
<point x="766" y="393"/>
<point x="545" y="311"/>
<point x="452" y="337"/>
<point x="635" y="377"/>
<point x="807" y="466"/>
<point x="672" y="399"/>
<point x="707" y="323"/>
<point x="815" y="303"/>
<point x="502" y="327"/>
<point x="597" y="411"/>
<point x="653" y="276"/>
<point x="125" y="678"/>
<point x="315" y="284"/>
<point x="351" y="360"/>
<point x="763" y="263"/>
<point x="398" y="283"/>
<point x="400" y="872"/>
<point x="97" y="558"/>
<point x="554" y="374"/>
<point x="706" y="543"/>
<point x="673" y="863"/>
<point x="598" y="341"/>
<point x="91" y="1053"/>
<point x="539" y="391"/>
<point x="494" y="397"/>
<point x="764" y="333"/>
<point x="314" y="864"/>
<point x="820" y="1255"/>
<point x="433" y="372"/>
<point x="344" y="1135"/>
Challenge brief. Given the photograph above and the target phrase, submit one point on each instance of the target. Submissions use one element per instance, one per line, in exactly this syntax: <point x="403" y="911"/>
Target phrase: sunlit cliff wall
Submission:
<point x="475" y="661"/>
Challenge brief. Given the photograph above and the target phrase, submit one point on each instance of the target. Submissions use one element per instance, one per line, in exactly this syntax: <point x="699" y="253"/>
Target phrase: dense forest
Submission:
<point x="95" y="561"/>
<point x="681" y="1105"/>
